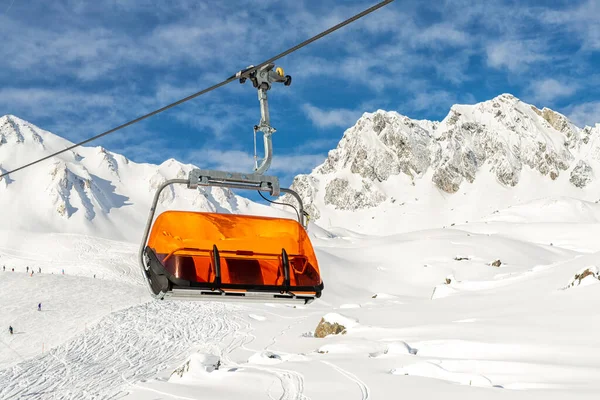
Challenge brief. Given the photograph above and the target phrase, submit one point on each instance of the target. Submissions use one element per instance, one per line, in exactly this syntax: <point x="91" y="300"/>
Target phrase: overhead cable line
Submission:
<point x="209" y="89"/>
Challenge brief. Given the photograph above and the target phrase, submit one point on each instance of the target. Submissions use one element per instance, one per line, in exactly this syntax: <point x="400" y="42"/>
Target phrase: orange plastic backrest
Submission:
<point x="249" y="248"/>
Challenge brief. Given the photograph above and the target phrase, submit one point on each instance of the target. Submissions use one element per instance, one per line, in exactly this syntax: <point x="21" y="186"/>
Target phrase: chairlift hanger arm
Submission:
<point x="262" y="79"/>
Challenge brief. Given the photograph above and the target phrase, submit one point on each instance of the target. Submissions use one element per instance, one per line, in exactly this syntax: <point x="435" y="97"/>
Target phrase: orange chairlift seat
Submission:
<point x="200" y="255"/>
<point x="211" y="256"/>
<point x="232" y="255"/>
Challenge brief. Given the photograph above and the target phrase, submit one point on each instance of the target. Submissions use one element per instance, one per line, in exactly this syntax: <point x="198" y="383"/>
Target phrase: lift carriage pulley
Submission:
<point x="226" y="257"/>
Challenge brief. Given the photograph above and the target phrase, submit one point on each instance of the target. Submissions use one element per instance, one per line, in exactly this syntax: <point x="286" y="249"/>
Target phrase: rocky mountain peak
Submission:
<point x="502" y="137"/>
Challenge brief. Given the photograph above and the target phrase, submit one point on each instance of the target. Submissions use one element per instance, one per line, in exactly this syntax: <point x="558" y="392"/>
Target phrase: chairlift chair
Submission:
<point x="193" y="255"/>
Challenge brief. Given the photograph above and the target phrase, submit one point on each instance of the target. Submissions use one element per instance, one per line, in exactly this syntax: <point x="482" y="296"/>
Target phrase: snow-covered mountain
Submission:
<point x="91" y="190"/>
<point x="488" y="305"/>
<point x="388" y="174"/>
<point x="391" y="173"/>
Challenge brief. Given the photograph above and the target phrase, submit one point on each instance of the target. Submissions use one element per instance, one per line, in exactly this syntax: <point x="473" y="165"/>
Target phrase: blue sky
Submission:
<point x="77" y="68"/>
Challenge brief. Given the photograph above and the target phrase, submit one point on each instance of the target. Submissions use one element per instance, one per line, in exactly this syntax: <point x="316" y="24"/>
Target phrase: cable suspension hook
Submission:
<point x="262" y="79"/>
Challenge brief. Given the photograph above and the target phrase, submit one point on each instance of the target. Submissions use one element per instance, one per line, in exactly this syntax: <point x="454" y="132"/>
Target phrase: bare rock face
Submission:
<point x="380" y="145"/>
<point x="341" y="195"/>
<point x="582" y="174"/>
<point x="326" y="328"/>
<point x="590" y="275"/>
<point x="506" y="135"/>
<point x="306" y="186"/>
<point x="560" y="123"/>
<point x="502" y="136"/>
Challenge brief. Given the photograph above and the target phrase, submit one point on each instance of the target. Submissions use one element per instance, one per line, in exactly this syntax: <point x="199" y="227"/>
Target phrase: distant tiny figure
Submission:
<point x="4" y="268"/>
<point x="94" y="276"/>
<point x="10" y="329"/>
<point x="40" y="270"/>
<point x="13" y="270"/>
<point x="40" y="307"/>
<point x="31" y="274"/>
<point x="63" y="271"/>
<point x="27" y="269"/>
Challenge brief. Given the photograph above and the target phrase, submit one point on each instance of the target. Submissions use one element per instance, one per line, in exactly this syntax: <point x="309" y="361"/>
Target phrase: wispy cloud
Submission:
<point x="585" y="114"/>
<point x="581" y="19"/>
<point x="440" y="35"/>
<point x="439" y="100"/>
<point x="339" y="117"/>
<point x="548" y="90"/>
<point x="516" y="55"/>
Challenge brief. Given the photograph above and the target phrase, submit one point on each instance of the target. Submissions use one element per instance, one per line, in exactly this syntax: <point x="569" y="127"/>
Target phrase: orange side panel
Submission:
<point x="249" y="248"/>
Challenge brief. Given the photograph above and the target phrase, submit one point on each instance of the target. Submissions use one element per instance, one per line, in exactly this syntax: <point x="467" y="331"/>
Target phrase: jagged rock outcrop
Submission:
<point x="582" y="174"/>
<point x="326" y="328"/>
<point x="504" y="137"/>
<point x="343" y="196"/>
<point x="589" y="275"/>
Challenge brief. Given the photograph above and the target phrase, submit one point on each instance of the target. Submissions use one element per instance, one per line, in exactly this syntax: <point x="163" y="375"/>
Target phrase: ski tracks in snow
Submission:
<point x="124" y="347"/>
<point x="364" y="389"/>
<point x="292" y="382"/>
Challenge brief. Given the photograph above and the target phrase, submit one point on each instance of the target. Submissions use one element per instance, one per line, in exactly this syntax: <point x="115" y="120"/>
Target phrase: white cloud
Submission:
<point x="441" y="34"/>
<point x="71" y="114"/>
<point x="52" y="102"/>
<point x="581" y="19"/>
<point x="338" y="117"/>
<point x="297" y="163"/>
<point x="547" y="90"/>
<point x="585" y="114"/>
<point x="516" y="55"/>
<point x="313" y="145"/>
<point x="433" y="101"/>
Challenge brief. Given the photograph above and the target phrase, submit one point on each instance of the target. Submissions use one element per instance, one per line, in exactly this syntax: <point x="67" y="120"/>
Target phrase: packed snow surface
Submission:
<point x="521" y="330"/>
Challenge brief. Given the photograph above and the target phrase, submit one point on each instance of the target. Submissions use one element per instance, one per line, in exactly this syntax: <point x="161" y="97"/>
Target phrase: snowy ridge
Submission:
<point x="91" y="190"/>
<point x="504" y="149"/>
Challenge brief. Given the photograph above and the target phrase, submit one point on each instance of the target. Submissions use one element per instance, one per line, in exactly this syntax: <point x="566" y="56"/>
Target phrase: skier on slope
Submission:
<point x="40" y="307"/>
<point x="27" y="269"/>
<point x="10" y="329"/>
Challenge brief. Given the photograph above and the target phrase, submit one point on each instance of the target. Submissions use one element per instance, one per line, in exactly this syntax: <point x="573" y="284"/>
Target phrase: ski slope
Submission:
<point x="524" y="330"/>
<point x="126" y="346"/>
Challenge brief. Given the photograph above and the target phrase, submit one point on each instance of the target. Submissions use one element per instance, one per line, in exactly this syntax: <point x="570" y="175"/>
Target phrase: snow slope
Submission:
<point x="520" y="330"/>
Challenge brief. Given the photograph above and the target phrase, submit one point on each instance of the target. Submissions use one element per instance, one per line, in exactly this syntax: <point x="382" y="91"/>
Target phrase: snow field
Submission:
<point x="70" y="306"/>
<point x="126" y="346"/>
<point x="513" y="331"/>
